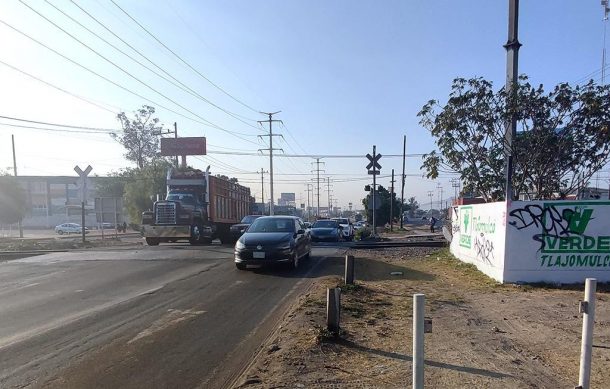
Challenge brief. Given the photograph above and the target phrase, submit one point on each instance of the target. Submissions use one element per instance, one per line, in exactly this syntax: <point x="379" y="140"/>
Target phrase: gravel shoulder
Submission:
<point x="484" y="334"/>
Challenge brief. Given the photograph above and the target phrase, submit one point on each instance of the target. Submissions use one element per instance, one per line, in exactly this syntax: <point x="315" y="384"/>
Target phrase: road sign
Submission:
<point x="183" y="146"/>
<point x="374" y="161"/>
<point x="374" y="172"/>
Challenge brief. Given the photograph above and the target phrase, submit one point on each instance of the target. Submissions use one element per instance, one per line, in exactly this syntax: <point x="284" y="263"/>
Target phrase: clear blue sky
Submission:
<point x="345" y="74"/>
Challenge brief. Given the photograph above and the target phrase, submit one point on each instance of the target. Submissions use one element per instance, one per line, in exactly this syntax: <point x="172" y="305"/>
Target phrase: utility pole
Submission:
<point x="308" y="206"/>
<point x="176" y="137"/>
<point x="330" y="205"/>
<point x="392" y="203"/>
<point x="402" y="190"/>
<point x="15" y="173"/>
<point x="263" y="188"/>
<point x="455" y="183"/>
<point x="374" y="190"/>
<point x="440" y="199"/>
<point x="317" y="171"/>
<point x="270" y="149"/>
<point x="512" y="73"/>
<point x="430" y="194"/>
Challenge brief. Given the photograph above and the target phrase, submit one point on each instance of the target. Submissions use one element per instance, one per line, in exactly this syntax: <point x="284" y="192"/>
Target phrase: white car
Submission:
<point x="70" y="228"/>
<point x="347" y="229"/>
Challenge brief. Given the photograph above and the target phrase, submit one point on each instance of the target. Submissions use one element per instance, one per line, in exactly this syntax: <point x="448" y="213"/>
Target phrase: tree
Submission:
<point x="382" y="216"/>
<point x="562" y="137"/>
<point x="138" y="187"/>
<point x="232" y="180"/>
<point x="12" y="200"/>
<point x="140" y="135"/>
<point x="411" y="206"/>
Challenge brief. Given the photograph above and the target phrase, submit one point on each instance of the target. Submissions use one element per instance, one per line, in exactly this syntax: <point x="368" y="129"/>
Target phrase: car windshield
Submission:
<point x="342" y="221"/>
<point x="272" y="225"/>
<point x="249" y="219"/>
<point x="184" y="198"/>
<point x="325" y="224"/>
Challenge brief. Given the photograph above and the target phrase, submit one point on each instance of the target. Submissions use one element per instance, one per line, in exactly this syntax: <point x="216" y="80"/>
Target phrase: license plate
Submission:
<point x="258" y="254"/>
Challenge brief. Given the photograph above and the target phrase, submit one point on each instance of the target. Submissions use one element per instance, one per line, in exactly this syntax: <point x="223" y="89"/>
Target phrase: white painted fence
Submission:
<point x="535" y="241"/>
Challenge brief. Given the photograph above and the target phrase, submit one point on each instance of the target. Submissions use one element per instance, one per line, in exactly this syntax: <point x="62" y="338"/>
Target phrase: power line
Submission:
<point x="58" y="125"/>
<point x="120" y="68"/>
<point x="53" y="129"/>
<point x="58" y="88"/>
<point x="177" y="83"/>
<point x="209" y="124"/>
<point x="182" y="60"/>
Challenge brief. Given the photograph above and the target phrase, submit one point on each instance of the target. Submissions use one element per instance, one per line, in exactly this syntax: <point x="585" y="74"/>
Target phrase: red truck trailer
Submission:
<point x="198" y="208"/>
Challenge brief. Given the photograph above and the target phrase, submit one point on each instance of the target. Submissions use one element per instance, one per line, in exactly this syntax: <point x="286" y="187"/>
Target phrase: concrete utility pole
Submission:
<point x="392" y="203"/>
<point x="176" y="137"/>
<point x="317" y="171"/>
<point x="402" y="190"/>
<point x="270" y="149"/>
<point x="455" y="183"/>
<point x="430" y="194"/>
<point x="440" y="198"/>
<point x="19" y="225"/>
<point x="330" y="205"/>
<point x="308" y="204"/>
<point x="512" y="74"/>
<point x="263" y="188"/>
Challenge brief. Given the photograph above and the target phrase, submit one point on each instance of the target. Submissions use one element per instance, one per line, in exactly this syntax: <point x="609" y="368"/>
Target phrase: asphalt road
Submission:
<point x="169" y="316"/>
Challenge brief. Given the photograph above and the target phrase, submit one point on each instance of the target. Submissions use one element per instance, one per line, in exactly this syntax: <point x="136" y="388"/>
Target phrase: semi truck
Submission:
<point x="198" y="207"/>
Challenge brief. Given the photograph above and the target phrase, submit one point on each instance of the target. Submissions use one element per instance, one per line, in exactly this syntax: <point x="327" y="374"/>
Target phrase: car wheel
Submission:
<point x="60" y="232"/>
<point x="240" y="266"/>
<point x="152" y="241"/>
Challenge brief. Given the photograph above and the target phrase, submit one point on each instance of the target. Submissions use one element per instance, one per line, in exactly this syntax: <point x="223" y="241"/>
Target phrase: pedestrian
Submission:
<point x="432" y="223"/>
<point x="124" y="227"/>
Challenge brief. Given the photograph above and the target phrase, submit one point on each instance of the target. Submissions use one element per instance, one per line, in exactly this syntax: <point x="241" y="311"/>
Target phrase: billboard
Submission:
<point x="287" y="197"/>
<point x="183" y="146"/>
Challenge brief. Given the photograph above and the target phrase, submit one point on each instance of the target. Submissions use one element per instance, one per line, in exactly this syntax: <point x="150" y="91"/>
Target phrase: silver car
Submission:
<point x="70" y="228"/>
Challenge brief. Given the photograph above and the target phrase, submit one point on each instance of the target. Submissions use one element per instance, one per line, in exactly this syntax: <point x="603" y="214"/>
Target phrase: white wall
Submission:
<point x="479" y="234"/>
<point x="558" y="241"/>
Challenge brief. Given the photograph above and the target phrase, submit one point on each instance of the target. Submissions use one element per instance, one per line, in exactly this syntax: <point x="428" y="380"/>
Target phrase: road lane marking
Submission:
<point x="171" y="318"/>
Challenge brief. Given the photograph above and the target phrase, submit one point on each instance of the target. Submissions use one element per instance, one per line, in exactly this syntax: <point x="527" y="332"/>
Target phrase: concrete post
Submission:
<point x="587" y="308"/>
<point x="333" y="309"/>
<point x="349" y="269"/>
<point x="418" y="340"/>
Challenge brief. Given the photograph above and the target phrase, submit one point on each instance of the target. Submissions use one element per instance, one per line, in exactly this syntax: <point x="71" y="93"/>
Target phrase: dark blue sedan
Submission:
<point x="325" y="231"/>
<point x="272" y="240"/>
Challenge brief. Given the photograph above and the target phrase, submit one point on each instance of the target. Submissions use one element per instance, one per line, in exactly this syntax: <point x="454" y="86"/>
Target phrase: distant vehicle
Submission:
<point x="359" y="225"/>
<point x="238" y="229"/>
<point x="273" y="240"/>
<point x="70" y="228"/>
<point x="106" y="226"/>
<point x="325" y="231"/>
<point x="347" y="229"/>
<point x="307" y="225"/>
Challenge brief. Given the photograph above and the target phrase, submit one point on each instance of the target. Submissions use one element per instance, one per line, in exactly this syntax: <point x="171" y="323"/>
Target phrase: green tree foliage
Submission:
<point x="411" y="206"/>
<point x="383" y="213"/>
<point x="138" y="187"/>
<point x="140" y="135"/>
<point x="562" y="137"/>
<point x="12" y="200"/>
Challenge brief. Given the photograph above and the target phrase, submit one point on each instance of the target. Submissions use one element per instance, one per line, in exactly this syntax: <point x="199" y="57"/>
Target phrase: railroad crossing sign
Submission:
<point x="82" y="180"/>
<point x="373" y="163"/>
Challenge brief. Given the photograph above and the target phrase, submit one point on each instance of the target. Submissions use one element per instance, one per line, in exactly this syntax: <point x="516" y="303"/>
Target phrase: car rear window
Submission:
<point x="325" y="224"/>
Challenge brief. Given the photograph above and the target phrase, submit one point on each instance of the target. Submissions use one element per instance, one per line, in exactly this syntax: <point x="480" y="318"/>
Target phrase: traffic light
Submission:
<point x="367" y="188"/>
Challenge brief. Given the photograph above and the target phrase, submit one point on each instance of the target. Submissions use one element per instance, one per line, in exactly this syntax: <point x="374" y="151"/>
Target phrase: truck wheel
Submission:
<point x="195" y="238"/>
<point x="152" y="241"/>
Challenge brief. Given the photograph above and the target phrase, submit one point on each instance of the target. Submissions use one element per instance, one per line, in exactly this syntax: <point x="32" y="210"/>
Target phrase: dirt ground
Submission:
<point x="485" y="335"/>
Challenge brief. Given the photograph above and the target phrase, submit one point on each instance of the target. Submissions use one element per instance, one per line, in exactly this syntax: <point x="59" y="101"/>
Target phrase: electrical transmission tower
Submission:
<point x="317" y="170"/>
<point x="270" y="149"/>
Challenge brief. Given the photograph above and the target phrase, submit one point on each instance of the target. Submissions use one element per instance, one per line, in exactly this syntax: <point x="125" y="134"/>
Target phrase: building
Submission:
<point x="53" y="200"/>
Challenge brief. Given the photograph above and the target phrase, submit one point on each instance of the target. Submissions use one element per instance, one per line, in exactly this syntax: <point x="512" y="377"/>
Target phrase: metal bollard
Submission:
<point x="418" y="340"/>
<point x="333" y="309"/>
<point x="349" y="269"/>
<point x="587" y="308"/>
